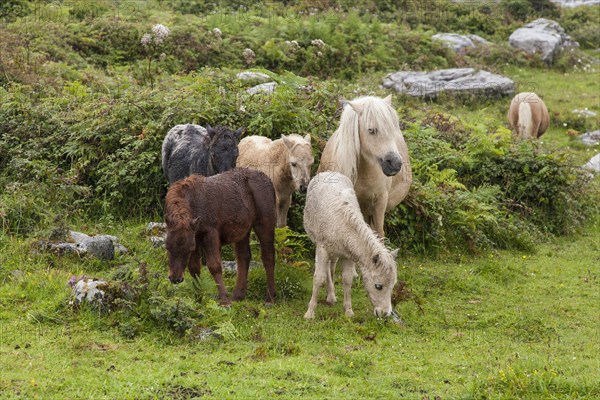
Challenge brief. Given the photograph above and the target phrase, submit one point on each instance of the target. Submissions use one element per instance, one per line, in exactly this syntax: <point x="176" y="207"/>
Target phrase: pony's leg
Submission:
<point x="331" y="299"/>
<point x="212" y="246"/>
<point x="283" y="205"/>
<point x="242" y="257"/>
<point x="319" y="278"/>
<point x="347" y="277"/>
<point x="379" y="214"/>
<point x="194" y="264"/>
<point x="266" y="237"/>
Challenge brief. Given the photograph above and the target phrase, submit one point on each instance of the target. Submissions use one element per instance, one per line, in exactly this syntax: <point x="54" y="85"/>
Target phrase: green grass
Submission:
<point x="500" y="326"/>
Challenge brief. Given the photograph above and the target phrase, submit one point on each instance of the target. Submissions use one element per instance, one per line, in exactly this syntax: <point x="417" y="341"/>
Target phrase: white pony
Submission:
<point x="368" y="147"/>
<point x="287" y="161"/>
<point x="333" y="221"/>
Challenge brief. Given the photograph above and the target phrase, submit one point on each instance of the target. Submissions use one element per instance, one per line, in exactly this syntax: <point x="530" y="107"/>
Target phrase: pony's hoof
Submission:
<point x="309" y="315"/>
<point x="238" y="296"/>
<point x="349" y="313"/>
<point x="225" y="303"/>
<point x="331" y="300"/>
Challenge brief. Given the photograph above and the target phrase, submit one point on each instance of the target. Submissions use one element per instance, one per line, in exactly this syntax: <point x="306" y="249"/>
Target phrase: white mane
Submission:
<point x="345" y="142"/>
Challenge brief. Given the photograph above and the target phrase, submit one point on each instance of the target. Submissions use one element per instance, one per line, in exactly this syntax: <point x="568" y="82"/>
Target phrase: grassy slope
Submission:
<point x="501" y="326"/>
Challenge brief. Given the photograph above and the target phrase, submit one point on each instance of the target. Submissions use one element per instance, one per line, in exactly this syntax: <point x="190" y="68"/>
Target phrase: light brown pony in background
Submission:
<point x="528" y="116"/>
<point x="368" y="147"/>
<point x="287" y="161"/>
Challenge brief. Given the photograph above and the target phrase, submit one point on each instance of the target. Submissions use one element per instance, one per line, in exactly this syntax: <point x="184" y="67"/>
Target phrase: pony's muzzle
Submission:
<point x="302" y="188"/>
<point x="176" y="280"/>
<point x="391" y="164"/>
<point x="381" y="313"/>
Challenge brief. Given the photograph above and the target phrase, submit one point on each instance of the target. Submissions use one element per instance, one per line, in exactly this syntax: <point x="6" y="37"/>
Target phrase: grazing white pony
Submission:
<point x="287" y="161"/>
<point x="333" y="221"/>
<point x="368" y="147"/>
<point x="528" y="116"/>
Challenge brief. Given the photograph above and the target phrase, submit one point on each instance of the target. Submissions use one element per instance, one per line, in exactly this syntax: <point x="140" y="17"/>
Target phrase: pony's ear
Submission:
<point x="286" y="140"/>
<point x="307" y="138"/>
<point x="395" y="253"/>
<point x="357" y="107"/>
<point x="238" y="133"/>
<point x="388" y="100"/>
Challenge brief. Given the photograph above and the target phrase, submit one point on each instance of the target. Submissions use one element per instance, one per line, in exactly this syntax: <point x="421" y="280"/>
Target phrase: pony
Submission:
<point x="191" y="149"/>
<point x="368" y="148"/>
<point x="204" y="213"/>
<point x="333" y="221"/>
<point x="528" y="116"/>
<point x="287" y="161"/>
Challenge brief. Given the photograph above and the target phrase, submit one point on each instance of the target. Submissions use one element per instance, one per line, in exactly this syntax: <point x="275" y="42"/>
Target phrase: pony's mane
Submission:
<point x="370" y="238"/>
<point x="178" y="213"/>
<point x="345" y="141"/>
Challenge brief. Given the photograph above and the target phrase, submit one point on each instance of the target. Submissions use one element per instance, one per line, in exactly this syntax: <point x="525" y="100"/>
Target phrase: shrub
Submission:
<point x="580" y="23"/>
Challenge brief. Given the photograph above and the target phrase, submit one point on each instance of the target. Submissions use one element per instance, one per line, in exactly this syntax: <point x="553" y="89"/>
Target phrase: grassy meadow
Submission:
<point x="499" y="240"/>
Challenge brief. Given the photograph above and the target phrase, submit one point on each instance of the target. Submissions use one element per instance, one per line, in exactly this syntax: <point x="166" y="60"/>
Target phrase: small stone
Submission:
<point x="591" y="138"/>
<point x="266" y="88"/>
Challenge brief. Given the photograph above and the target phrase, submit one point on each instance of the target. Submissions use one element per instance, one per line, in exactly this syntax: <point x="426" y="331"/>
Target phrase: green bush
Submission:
<point x="475" y="189"/>
<point x="581" y="24"/>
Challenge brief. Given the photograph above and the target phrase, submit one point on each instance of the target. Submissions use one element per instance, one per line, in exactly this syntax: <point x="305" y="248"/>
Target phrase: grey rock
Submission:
<point x="104" y="247"/>
<point x="575" y="3"/>
<point x="460" y="43"/>
<point x="250" y="75"/>
<point x="158" y="241"/>
<point x="88" y="290"/>
<point x="100" y="246"/>
<point x="585" y="113"/>
<point x="155" y="228"/>
<point x="206" y="334"/>
<point x="591" y="138"/>
<point x="594" y="164"/>
<point x="231" y="266"/>
<point x="542" y="36"/>
<point x="267" y="88"/>
<point x="454" y="81"/>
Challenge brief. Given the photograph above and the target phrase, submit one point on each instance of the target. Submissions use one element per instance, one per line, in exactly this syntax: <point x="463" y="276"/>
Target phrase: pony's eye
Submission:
<point x="378" y="286"/>
<point x="373" y="131"/>
<point x="294" y="164"/>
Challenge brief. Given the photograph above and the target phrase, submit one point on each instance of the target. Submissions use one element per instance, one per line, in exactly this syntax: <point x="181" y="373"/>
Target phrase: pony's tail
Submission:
<point x="525" y="122"/>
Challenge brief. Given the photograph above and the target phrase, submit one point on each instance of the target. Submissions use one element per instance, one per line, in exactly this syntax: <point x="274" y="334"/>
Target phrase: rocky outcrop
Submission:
<point x="542" y="36"/>
<point x="460" y="43"/>
<point x="467" y="81"/>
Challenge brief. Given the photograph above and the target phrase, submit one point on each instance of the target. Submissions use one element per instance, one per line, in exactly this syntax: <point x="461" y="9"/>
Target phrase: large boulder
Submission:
<point x="542" y="36"/>
<point x="467" y="81"/>
<point x="460" y="43"/>
<point x="575" y="3"/>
